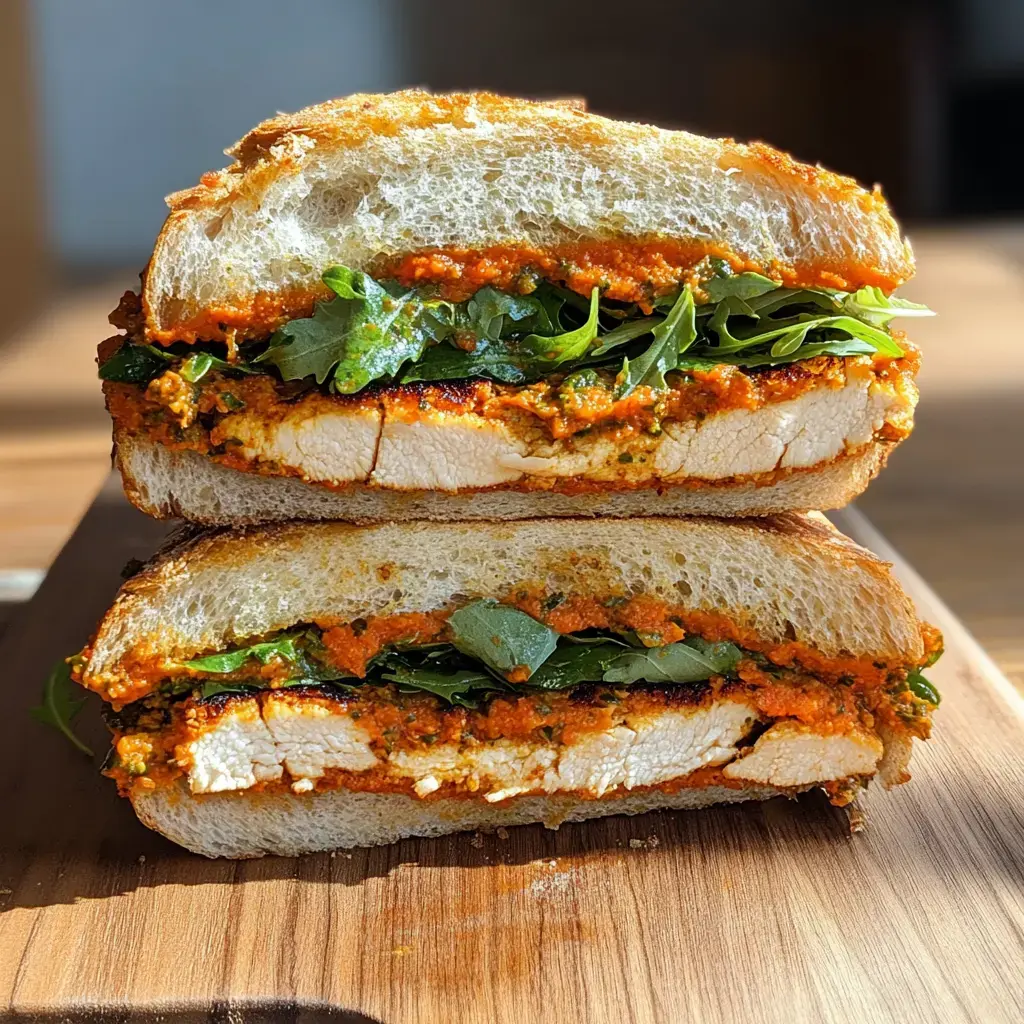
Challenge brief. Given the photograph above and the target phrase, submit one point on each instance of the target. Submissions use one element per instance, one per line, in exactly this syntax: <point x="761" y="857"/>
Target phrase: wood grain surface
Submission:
<point x="767" y="912"/>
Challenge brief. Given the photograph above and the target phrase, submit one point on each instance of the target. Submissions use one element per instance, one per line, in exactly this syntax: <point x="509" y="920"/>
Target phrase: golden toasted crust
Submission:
<point x="349" y="121"/>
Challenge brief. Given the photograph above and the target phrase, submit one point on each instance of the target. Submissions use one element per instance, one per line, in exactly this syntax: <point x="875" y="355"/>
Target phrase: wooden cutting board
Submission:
<point x="770" y="912"/>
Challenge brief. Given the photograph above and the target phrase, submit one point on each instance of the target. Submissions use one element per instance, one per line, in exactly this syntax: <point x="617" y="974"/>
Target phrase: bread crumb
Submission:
<point x="4" y="891"/>
<point x="477" y="841"/>
<point x="650" y="843"/>
<point x="401" y="950"/>
<point x="502" y="832"/>
<point x="142" y="858"/>
<point x="857" y="818"/>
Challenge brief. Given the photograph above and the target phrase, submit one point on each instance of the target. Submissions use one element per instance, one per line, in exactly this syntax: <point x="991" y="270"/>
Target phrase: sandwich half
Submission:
<point x="292" y="688"/>
<point x="418" y="306"/>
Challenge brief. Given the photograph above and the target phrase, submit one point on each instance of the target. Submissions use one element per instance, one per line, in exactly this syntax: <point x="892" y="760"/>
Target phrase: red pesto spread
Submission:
<point x="624" y="270"/>
<point x="628" y="271"/>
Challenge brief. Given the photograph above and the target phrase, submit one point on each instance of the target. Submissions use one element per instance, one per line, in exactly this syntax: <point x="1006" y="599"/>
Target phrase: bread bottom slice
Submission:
<point x="168" y="483"/>
<point x="281" y="823"/>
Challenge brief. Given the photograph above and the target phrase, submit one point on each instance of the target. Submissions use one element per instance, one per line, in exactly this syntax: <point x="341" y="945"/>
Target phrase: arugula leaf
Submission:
<point x="873" y="306"/>
<point x="198" y="365"/>
<point x="502" y="637"/>
<point x="135" y="364"/>
<point x="576" y="663"/>
<point x="464" y="687"/>
<point x="690" y="661"/>
<point x="499" y="360"/>
<point x="846" y="347"/>
<point x="59" y="707"/>
<point x="208" y="690"/>
<point x="367" y="332"/>
<point x="921" y="687"/>
<point x="554" y="350"/>
<point x="672" y="337"/>
<point x="624" y="333"/>
<point x="741" y="286"/>
<point x="283" y="647"/>
<point x="507" y="360"/>
<point x="491" y="313"/>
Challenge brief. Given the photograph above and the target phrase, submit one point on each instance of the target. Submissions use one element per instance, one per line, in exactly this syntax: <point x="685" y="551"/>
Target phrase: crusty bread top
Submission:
<point x="369" y="177"/>
<point x="786" y="577"/>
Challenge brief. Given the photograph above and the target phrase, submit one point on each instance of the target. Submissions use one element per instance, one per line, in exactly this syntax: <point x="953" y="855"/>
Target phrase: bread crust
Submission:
<point x="853" y="239"/>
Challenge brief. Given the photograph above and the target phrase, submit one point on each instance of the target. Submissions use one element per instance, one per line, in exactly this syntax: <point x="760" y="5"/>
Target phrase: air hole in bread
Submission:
<point x="684" y="589"/>
<point x="790" y="630"/>
<point x="680" y="558"/>
<point x="213" y="226"/>
<point x="324" y="205"/>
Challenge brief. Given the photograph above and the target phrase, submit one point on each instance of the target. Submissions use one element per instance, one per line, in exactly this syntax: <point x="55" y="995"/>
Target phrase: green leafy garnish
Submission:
<point x="573" y="664"/>
<point x="873" y="306"/>
<point x="197" y="366"/>
<point x="690" y="661"/>
<point x="567" y="347"/>
<point x="672" y="337"/>
<point x="511" y="361"/>
<point x="60" y="706"/>
<point x="283" y="647"/>
<point x="920" y="687"/>
<point x="492" y="315"/>
<point x="464" y="687"/>
<point x="135" y="364"/>
<point x="366" y="332"/>
<point x="726" y="285"/>
<point x="497" y="360"/>
<point x="502" y="637"/>
<point x="208" y="690"/>
<point x="382" y="331"/>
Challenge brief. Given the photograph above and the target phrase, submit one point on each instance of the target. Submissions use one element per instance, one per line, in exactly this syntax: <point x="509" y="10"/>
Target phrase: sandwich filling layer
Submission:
<point x="492" y="700"/>
<point x="732" y="379"/>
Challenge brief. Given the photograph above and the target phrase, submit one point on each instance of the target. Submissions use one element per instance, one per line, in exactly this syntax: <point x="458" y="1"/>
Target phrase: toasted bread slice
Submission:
<point x="372" y="178"/>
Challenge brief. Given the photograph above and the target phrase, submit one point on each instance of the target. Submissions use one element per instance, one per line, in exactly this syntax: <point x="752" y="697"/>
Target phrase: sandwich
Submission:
<point x="465" y="306"/>
<point x="296" y="687"/>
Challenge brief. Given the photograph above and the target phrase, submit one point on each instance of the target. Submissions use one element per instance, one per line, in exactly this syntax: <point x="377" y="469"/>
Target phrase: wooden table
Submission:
<point x="950" y="500"/>
<point x="763" y="912"/>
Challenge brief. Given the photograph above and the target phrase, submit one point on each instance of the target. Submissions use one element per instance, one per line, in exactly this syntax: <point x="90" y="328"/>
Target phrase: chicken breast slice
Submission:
<point x="236" y="753"/>
<point x="790" y="754"/>
<point x="312" y="737"/>
<point x="814" y="428"/>
<point x="444" y="451"/>
<point x="429" y="448"/>
<point x="333" y="445"/>
<point x="240" y="749"/>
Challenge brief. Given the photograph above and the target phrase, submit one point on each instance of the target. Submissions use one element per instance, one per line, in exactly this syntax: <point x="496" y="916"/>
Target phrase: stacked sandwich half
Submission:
<point x="450" y="382"/>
